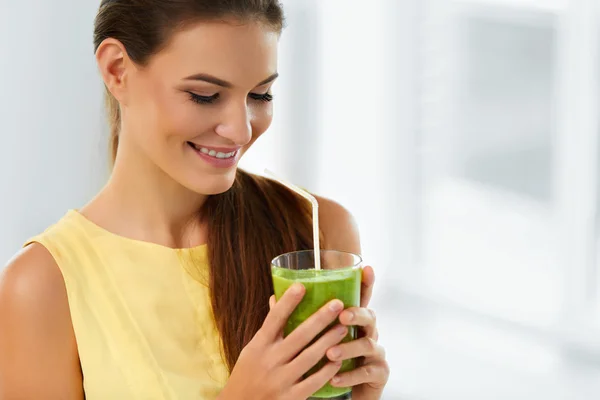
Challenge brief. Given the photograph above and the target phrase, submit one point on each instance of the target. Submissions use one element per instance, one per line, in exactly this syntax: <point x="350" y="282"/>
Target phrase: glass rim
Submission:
<point x="358" y="264"/>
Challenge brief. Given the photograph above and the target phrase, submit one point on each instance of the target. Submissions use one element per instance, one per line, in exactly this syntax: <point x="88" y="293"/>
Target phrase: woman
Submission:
<point x="159" y="288"/>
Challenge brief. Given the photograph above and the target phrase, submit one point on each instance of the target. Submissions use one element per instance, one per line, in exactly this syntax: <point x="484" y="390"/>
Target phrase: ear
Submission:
<point x="113" y="64"/>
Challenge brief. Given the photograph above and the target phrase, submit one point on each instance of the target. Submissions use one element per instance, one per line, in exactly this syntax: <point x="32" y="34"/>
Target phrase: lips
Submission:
<point x="212" y="152"/>
<point x="218" y="157"/>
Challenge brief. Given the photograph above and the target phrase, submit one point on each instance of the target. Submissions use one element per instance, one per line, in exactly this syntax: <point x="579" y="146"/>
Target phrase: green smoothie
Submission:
<point x="321" y="287"/>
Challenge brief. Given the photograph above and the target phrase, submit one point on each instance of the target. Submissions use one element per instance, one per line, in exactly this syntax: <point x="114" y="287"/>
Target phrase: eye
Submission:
<point x="267" y="97"/>
<point x="203" y="99"/>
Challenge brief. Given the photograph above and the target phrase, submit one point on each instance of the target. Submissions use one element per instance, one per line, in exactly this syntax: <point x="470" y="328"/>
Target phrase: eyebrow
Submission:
<point x="220" y="82"/>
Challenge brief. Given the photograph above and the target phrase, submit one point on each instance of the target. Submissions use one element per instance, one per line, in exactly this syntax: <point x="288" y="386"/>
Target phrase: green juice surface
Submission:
<point x="321" y="287"/>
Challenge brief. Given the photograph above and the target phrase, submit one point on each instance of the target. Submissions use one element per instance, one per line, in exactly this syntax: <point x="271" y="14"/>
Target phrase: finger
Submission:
<point x="363" y="317"/>
<point x="279" y="314"/>
<point x="272" y="302"/>
<point x="364" y="347"/>
<point x="366" y="289"/>
<point x="309" y="329"/>
<point x="313" y="354"/>
<point x="376" y="375"/>
<point x="316" y="381"/>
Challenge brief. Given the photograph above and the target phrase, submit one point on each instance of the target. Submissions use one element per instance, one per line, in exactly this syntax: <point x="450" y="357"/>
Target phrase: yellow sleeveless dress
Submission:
<point x="141" y="313"/>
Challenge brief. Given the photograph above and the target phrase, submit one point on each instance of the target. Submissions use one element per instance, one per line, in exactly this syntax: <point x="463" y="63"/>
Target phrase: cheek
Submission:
<point x="170" y="110"/>
<point x="182" y="118"/>
<point x="176" y="118"/>
<point x="149" y="107"/>
<point x="261" y="121"/>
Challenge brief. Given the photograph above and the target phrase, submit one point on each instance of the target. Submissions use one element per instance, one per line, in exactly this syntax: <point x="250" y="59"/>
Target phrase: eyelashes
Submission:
<point x="267" y="97"/>
<point x="196" y="98"/>
<point x="204" y="100"/>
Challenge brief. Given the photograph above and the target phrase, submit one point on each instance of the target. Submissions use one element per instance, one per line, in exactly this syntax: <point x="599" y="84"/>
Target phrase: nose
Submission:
<point x="236" y="124"/>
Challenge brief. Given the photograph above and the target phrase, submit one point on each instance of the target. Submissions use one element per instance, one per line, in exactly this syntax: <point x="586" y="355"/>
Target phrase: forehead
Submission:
<point x="243" y="54"/>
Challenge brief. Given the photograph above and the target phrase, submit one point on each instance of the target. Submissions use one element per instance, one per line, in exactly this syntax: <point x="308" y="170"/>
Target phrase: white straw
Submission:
<point x="315" y="214"/>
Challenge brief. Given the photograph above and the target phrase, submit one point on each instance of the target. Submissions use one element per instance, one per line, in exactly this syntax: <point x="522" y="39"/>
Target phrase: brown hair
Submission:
<point x="254" y="221"/>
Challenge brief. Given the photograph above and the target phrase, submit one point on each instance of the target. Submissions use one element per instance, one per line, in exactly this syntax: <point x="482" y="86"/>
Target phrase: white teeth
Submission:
<point x="214" y="153"/>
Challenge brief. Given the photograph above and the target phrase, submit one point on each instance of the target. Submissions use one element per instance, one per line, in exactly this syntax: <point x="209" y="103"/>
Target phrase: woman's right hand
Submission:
<point x="271" y="367"/>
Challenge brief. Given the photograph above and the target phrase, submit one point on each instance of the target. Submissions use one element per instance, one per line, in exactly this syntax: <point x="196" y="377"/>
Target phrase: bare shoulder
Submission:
<point x="38" y="354"/>
<point x="339" y="226"/>
<point x="32" y="278"/>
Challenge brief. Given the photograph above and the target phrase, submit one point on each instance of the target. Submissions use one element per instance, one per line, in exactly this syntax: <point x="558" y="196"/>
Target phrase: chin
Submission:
<point x="213" y="184"/>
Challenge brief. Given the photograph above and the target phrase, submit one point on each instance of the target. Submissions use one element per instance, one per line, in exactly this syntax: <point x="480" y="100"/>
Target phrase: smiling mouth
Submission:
<point x="213" y="153"/>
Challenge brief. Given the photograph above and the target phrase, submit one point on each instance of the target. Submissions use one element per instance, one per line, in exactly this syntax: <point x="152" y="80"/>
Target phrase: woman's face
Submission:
<point x="202" y="101"/>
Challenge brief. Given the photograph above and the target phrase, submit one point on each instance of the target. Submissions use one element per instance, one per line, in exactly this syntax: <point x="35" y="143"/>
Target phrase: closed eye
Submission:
<point x="203" y="99"/>
<point x="261" y="97"/>
<point x="266" y="97"/>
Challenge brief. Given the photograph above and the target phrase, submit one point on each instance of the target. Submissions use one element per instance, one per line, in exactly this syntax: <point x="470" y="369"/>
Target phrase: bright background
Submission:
<point x="462" y="134"/>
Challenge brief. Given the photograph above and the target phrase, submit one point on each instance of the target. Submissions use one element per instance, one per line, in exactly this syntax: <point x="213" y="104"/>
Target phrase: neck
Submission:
<point x="141" y="201"/>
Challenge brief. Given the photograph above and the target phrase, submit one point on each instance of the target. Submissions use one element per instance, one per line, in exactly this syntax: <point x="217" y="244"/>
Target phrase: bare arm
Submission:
<point x="369" y="379"/>
<point x="341" y="233"/>
<point x="38" y="352"/>
<point x="338" y="226"/>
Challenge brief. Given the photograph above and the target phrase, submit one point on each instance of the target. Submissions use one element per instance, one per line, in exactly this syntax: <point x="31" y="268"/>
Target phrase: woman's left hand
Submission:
<point x="372" y="372"/>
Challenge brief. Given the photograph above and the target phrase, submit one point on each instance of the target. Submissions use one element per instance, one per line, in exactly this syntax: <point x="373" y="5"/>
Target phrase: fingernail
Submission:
<point x="336" y="306"/>
<point x="336" y="380"/>
<point x="350" y="316"/>
<point x="297" y="288"/>
<point x="335" y="353"/>
<point x="342" y="330"/>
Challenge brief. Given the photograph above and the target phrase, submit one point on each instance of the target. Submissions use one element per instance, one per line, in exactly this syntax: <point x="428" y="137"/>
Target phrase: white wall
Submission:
<point x="53" y="149"/>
